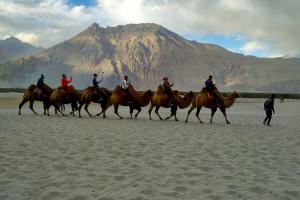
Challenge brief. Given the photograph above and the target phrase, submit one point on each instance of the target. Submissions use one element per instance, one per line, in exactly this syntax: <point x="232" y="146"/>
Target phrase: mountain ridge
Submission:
<point x="12" y="48"/>
<point x="147" y="52"/>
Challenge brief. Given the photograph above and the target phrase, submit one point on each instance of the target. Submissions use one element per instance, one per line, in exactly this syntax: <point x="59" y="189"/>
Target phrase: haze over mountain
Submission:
<point x="12" y="48"/>
<point x="146" y="53"/>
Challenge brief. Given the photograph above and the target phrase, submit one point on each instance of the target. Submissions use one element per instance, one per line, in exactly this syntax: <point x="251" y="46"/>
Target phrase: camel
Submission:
<point x="160" y="99"/>
<point x="88" y="95"/>
<point x="121" y="97"/>
<point x="58" y="97"/>
<point x="203" y="100"/>
<point x="31" y="96"/>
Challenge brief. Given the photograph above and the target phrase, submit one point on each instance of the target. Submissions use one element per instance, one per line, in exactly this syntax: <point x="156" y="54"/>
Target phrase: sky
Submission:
<point x="263" y="28"/>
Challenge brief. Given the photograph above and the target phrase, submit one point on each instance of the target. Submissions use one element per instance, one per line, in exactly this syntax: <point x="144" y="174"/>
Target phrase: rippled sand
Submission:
<point x="93" y="158"/>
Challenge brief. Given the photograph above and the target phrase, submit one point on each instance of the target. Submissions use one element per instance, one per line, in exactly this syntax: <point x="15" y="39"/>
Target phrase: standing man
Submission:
<point x="269" y="108"/>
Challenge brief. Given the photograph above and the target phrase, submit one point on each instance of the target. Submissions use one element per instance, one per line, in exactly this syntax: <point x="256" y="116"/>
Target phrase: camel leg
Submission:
<point x="74" y="107"/>
<point x="104" y="108"/>
<point x="156" y="111"/>
<point x="44" y="106"/>
<point x="116" y="111"/>
<point x="131" y="110"/>
<point x="189" y="112"/>
<point x="31" y="106"/>
<point x="79" y="109"/>
<point x="174" y="111"/>
<point x="136" y="115"/>
<point x="150" y="110"/>
<point x="223" y="110"/>
<point x="213" y="111"/>
<point x="101" y="111"/>
<point x="21" y="104"/>
<point x="197" y="114"/>
<point x="171" y="115"/>
<point x="57" y="109"/>
<point x="86" y="108"/>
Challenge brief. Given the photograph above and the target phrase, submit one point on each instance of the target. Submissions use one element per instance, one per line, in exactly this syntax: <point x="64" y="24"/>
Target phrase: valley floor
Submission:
<point x="69" y="158"/>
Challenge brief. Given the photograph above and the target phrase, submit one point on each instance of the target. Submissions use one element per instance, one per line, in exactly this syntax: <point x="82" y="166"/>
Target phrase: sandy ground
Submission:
<point x="43" y="158"/>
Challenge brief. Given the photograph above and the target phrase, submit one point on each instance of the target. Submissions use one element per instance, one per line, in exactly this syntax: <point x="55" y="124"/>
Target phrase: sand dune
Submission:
<point x="69" y="158"/>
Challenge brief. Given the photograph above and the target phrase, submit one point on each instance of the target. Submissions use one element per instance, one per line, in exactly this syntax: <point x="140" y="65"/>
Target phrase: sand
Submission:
<point x="43" y="158"/>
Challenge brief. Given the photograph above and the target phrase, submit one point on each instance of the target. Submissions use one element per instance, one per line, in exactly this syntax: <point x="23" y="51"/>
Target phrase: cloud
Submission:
<point x="252" y="46"/>
<point x="275" y="23"/>
<point x="27" y="37"/>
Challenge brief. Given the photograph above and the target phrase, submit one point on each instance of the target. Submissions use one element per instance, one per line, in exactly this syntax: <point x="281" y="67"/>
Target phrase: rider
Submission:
<point x="65" y="82"/>
<point x="211" y="87"/>
<point x="125" y="86"/>
<point x="40" y="85"/>
<point x="95" y="82"/>
<point x="125" y="83"/>
<point x="167" y="89"/>
<point x="96" y="86"/>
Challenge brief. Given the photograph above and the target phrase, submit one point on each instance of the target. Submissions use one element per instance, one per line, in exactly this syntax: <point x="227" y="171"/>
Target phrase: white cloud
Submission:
<point x="27" y="37"/>
<point x="252" y="47"/>
<point x="274" y="23"/>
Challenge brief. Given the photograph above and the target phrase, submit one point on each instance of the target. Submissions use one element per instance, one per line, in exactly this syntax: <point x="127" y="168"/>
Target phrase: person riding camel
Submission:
<point x="211" y="87"/>
<point x="167" y="89"/>
<point x="65" y="83"/>
<point x="125" y="86"/>
<point x="96" y="86"/>
<point x="40" y="86"/>
<point x="95" y="81"/>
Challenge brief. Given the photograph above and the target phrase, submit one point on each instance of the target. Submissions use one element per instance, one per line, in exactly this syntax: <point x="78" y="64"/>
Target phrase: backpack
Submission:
<point x="268" y="104"/>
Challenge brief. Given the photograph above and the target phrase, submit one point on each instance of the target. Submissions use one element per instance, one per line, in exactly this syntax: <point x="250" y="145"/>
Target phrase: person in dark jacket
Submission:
<point x="96" y="87"/>
<point x="95" y="81"/>
<point x="211" y="87"/>
<point x="269" y="108"/>
<point x="167" y="89"/>
<point x="40" y="85"/>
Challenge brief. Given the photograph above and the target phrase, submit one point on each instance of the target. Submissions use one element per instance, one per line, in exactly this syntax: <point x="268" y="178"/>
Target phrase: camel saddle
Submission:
<point x="38" y="92"/>
<point x="209" y="95"/>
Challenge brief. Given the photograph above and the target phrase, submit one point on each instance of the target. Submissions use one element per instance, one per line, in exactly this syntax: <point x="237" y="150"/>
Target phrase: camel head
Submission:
<point x="235" y="94"/>
<point x="149" y="92"/>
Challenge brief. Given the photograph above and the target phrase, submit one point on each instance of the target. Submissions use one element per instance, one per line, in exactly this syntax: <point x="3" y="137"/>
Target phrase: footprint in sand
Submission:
<point x="180" y="189"/>
<point x="119" y="178"/>
<point x="294" y="194"/>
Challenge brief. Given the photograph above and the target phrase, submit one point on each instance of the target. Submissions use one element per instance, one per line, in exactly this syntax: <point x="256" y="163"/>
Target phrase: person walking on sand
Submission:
<point x="269" y="108"/>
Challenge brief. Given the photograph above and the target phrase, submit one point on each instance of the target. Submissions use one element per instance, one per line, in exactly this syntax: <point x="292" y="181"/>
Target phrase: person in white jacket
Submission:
<point x="125" y="83"/>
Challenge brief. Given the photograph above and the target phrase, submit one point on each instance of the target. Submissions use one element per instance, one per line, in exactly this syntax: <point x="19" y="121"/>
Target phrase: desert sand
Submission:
<point x="43" y="158"/>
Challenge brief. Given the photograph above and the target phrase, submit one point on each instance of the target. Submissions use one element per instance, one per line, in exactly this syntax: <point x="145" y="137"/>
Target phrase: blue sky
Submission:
<point x="243" y="26"/>
<point x="87" y="3"/>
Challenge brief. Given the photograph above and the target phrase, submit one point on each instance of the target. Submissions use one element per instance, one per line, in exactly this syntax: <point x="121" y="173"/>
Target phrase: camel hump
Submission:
<point x="160" y="89"/>
<point x="105" y="91"/>
<point x="32" y="87"/>
<point x="203" y="90"/>
<point x="118" y="89"/>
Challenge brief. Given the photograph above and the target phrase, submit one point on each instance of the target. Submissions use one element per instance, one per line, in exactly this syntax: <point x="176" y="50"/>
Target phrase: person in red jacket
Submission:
<point x="65" y="82"/>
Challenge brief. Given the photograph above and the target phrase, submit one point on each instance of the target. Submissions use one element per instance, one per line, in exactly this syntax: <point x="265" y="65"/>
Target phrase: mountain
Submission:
<point x="146" y="53"/>
<point x="12" y="48"/>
